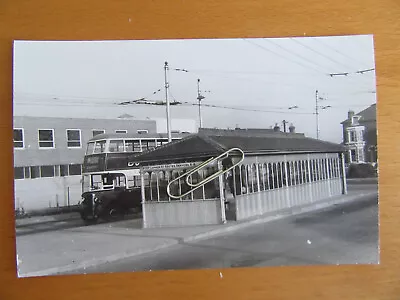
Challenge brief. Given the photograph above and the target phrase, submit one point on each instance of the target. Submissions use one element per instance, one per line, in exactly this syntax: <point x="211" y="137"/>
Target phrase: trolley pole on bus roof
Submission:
<point x="167" y="101"/>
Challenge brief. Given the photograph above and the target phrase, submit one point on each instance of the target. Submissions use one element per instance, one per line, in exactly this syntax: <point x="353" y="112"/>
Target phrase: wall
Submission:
<point x="42" y="193"/>
<point x="181" y="213"/>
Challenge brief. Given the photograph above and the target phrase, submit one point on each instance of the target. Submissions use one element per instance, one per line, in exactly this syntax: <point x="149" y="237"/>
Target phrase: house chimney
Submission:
<point x="350" y="114"/>
<point x="292" y="129"/>
<point x="277" y="128"/>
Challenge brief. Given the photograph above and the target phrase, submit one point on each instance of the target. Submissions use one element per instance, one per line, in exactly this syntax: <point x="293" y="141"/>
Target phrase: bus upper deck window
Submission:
<point x="129" y="146"/>
<point x="100" y="147"/>
<point x="90" y="148"/>
<point x="116" y="146"/>
<point x="151" y="144"/>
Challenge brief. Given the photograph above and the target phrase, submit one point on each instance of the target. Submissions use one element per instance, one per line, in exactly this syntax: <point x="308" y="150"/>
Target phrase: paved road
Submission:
<point x="74" y="221"/>
<point x="344" y="234"/>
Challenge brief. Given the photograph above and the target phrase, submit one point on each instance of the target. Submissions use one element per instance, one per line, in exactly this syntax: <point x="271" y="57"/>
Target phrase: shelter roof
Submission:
<point x="208" y="143"/>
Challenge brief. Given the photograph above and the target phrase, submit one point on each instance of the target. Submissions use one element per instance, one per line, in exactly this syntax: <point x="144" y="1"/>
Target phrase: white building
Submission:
<point x="354" y="139"/>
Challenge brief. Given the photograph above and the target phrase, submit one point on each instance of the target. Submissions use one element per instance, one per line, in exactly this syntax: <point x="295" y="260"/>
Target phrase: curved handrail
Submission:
<point x="207" y="179"/>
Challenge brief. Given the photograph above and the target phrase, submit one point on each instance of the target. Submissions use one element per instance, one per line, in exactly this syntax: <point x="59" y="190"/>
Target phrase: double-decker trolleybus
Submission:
<point x="109" y="187"/>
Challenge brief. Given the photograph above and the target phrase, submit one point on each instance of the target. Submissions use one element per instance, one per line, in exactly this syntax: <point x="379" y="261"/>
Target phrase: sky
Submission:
<point x="247" y="83"/>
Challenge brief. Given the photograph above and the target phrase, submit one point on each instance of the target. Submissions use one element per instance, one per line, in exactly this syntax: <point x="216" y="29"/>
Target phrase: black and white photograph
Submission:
<point x="188" y="154"/>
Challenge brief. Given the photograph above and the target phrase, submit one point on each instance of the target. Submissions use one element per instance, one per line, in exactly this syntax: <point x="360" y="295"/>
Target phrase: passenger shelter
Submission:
<point x="279" y="171"/>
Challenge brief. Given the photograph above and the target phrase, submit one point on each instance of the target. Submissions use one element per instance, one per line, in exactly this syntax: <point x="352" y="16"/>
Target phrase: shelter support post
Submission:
<point x="344" y="183"/>
<point x="142" y="192"/>
<point x="222" y="193"/>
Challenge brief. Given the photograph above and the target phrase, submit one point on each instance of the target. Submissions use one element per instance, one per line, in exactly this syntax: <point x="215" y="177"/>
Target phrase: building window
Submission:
<point x="18" y="138"/>
<point x="353" y="155"/>
<point x="142" y="131"/>
<point x="27" y="171"/>
<point x="121" y="131"/>
<point x="63" y="170"/>
<point x="47" y="171"/>
<point x="57" y="170"/>
<point x="360" y="154"/>
<point x="98" y="131"/>
<point x="46" y="138"/>
<point x="18" y="173"/>
<point x="361" y="136"/>
<point x="353" y="136"/>
<point x="74" y="138"/>
<point x="75" y="170"/>
<point x="35" y="172"/>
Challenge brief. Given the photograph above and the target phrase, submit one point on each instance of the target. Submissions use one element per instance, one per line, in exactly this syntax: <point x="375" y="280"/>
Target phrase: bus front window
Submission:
<point x="85" y="183"/>
<point x="96" y="182"/>
<point x="90" y="148"/>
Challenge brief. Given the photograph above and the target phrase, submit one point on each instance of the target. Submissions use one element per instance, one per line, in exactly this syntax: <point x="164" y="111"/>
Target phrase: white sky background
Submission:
<point x="86" y="79"/>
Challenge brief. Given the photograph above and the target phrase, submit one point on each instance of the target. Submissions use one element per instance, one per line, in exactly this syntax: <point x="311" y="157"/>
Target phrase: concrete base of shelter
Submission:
<point x="181" y="213"/>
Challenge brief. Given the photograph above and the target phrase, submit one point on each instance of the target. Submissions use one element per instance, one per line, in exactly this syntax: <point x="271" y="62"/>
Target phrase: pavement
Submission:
<point x="370" y="180"/>
<point x="78" y="248"/>
<point x="342" y="234"/>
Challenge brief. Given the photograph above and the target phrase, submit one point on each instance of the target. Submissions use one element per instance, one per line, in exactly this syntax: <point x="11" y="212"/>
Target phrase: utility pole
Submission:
<point x="199" y="98"/>
<point x="284" y="122"/>
<point x="317" y="113"/>
<point x="317" y="107"/>
<point x="167" y="102"/>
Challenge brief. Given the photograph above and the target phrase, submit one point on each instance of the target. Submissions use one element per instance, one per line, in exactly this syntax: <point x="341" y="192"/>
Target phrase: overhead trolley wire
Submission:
<point x="296" y="40"/>
<point x="319" y="40"/>
<point x="296" y="54"/>
<point x="302" y="64"/>
<point x="277" y="54"/>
